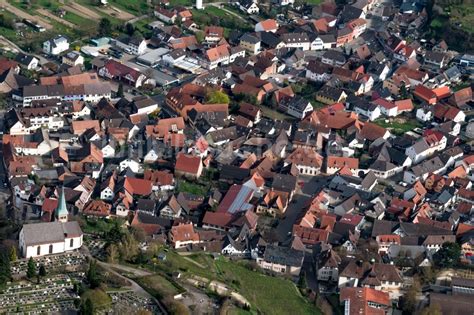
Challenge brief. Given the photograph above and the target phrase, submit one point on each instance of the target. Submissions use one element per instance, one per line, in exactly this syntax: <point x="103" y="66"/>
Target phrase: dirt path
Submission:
<point x="134" y="286"/>
<point x="218" y="5"/>
<point x="82" y="11"/>
<point x="116" y="12"/>
<point x="22" y="14"/>
<point x="194" y="262"/>
<point x="56" y="18"/>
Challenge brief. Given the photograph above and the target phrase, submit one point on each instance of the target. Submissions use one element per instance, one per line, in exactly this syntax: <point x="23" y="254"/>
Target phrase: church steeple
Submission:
<point x="61" y="212"/>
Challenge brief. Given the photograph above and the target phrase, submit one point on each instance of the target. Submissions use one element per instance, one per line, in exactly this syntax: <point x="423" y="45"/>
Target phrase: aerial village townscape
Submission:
<point x="237" y="157"/>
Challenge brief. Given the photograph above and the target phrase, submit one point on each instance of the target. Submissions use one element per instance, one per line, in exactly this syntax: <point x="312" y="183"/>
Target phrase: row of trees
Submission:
<point x="106" y="28"/>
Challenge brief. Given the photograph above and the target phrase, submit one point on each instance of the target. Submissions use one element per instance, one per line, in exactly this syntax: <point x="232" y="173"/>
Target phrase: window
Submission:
<point x="51" y="248"/>
<point x="71" y="242"/>
<point x="38" y="250"/>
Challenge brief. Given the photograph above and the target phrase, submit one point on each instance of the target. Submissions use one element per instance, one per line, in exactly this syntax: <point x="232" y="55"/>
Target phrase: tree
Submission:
<point x="105" y="27"/>
<point x="112" y="254"/>
<point x="128" y="248"/>
<point x="31" y="268"/>
<point x="13" y="256"/>
<point x="5" y="271"/>
<point x="302" y="281"/>
<point x="433" y="309"/>
<point x="120" y="90"/>
<point x="139" y="234"/>
<point x="403" y="91"/>
<point x="42" y="271"/>
<point x="115" y="234"/>
<point x="6" y="22"/>
<point x="92" y="276"/>
<point x="137" y="34"/>
<point x="87" y="308"/>
<point x="448" y="256"/>
<point x="129" y="29"/>
<point x="409" y="300"/>
<point x="217" y="97"/>
<point x="247" y="98"/>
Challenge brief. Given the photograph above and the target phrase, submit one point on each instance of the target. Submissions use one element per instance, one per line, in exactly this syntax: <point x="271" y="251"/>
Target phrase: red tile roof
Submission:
<point x="183" y="232"/>
<point x="371" y="131"/>
<point x="310" y="236"/>
<point x="365" y="301"/>
<point x="160" y="178"/>
<point x="425" y="94"/>
<point x="384" y="103"/>
<point x="97" y="208"/>
<point x="188" y="163"/>
<point x="340" y="162"/>
<point x="119" y="70"/>
<point x="404" y="105"/>
<point x="442" y="92"/>
<point x="49" y="205"/>
<point x="269" y="25"/>
<point x="138" y="186"/>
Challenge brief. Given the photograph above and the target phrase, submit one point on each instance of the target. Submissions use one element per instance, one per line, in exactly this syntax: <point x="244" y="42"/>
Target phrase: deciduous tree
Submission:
<point x="448" y="256"/>
<point x="217" y="97"/>
<point x="105" y="27"/>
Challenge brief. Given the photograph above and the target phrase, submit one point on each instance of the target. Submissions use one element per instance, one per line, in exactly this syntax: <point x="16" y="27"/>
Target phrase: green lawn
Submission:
<point x="79" y="20"/>
<point x="98" y="297"/>
<point x="464" y="14"/>
<point x="214" y="16"/>
<point x="97" y="226"/>
<point x="192" y="188"/>
<point x="398" y="125"/>
<point x="133" y="7"/>
<point x="273" y="114"/>
<point x="186" y="3"/>
<point x="267" y="294"/>
<point x="157" y="286"/>
<point x="175" y="262"/>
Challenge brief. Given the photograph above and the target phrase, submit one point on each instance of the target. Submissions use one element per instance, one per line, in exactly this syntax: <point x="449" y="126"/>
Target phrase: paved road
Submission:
<point x="295" y="209"/>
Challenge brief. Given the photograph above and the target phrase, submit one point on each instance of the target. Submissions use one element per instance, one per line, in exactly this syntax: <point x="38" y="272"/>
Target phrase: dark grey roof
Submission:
<point x="383" y="227"/>
<point x="295" y="38"/>
<point x="50" y="232"/>
<point x="249" y="38"/>
<point x="269" y="39"/>
<point x="462" y="282"/>
<point x="234" y="173"/>
<point x="334" y="55"/>
<point x="24" y="59"/>
<point x="350" y="13"/>
<point x="412" y="229"/>
<point x="284" y="182"/>
<point x="283" y="256"/>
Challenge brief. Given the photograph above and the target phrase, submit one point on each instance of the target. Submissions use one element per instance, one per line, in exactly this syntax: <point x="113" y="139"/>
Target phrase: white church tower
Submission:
<point x="199" y="5"/>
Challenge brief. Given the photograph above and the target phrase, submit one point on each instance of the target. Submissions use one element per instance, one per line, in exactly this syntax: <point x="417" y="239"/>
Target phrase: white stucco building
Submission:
<point x="56" y="45"/>
<point x="49" y="238"/>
